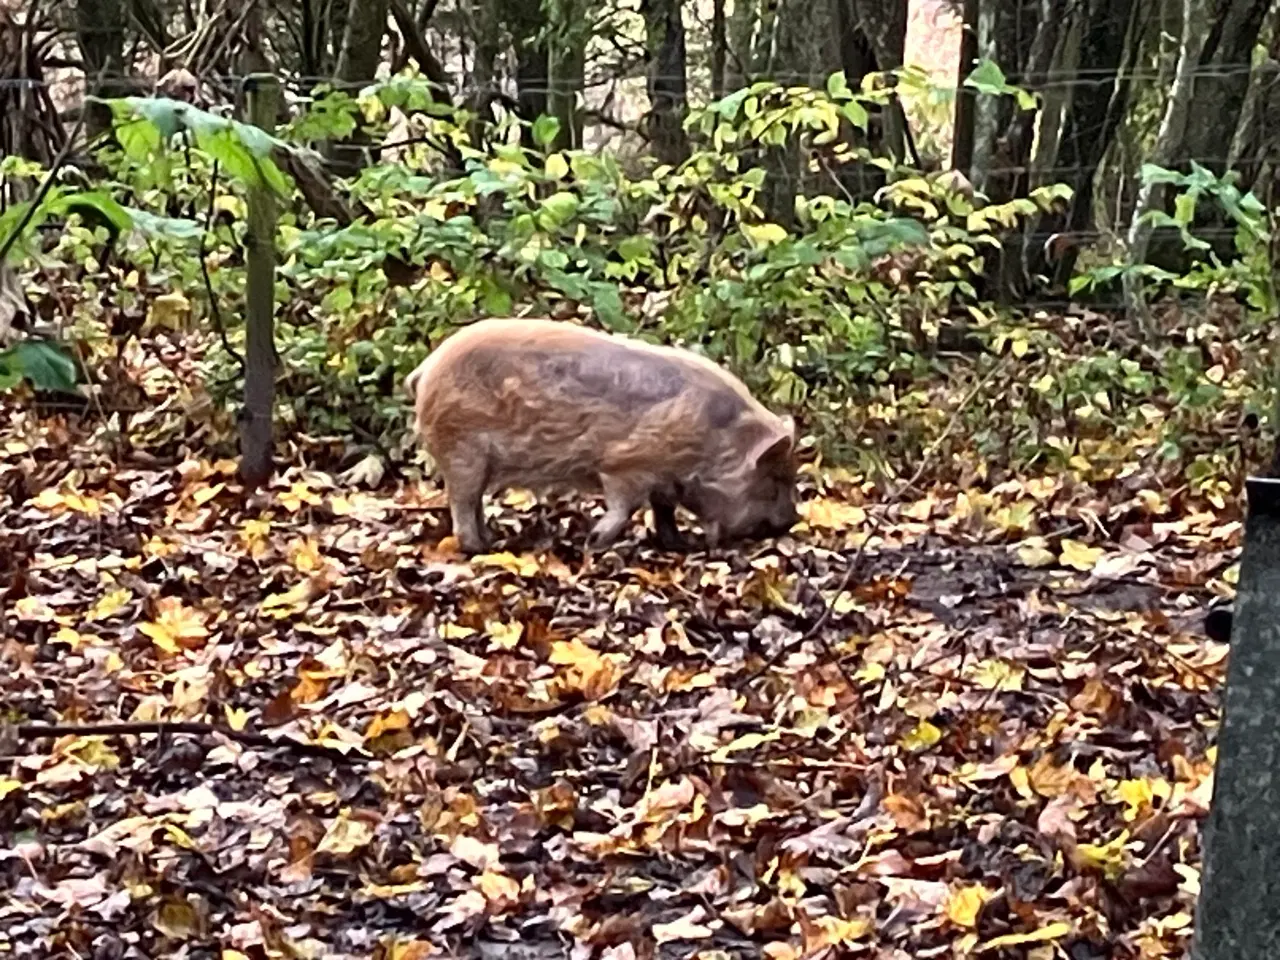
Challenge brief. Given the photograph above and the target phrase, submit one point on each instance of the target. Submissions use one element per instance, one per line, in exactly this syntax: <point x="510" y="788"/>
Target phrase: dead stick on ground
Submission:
<point x="35" y="731"/>
<point x="877" y="521"/>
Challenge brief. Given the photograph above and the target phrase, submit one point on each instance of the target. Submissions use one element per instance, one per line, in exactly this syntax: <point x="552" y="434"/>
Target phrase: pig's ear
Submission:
<point x="774" y="449"/>
<point x="411" y="384"/>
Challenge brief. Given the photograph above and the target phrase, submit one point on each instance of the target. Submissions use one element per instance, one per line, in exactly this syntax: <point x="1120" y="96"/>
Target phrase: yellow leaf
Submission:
<point x="292" y="601"/>
<point x="519" y="499"/>
<point x="523" y="566"/>
<point x="298" y="496"/>
<point x="169" y="311"/>
<point x="305" y="556"/>
<point x="1079" y="556"/>
<point x="387" y="723"/>
<point x="33" y="608"/>
<point x="1140" y="795"/>
<point x="763" y="234"/>
<point x="176" y="626"/>
<point x="964" y="903"/>
<point x="109" y="604"/>
<point x="1054" y="931"/>
<point x="556" y="166"/>
<point x="1034" y="552"/>
<point x="1109" y="857"/>
<point x="8" y="786"/>
<point x="345" y="836"/>
<point x="832" y="514"/>
<point x="237" y="717"/>
<point x="923" y="736"/>
<point x="505" y="635"/>
<point x="498" y="888"/>
<point x="748" y="741"/>
<point x="204" y="494"/>
<point x="254" y="535"/>
<point x="997" y="675"/>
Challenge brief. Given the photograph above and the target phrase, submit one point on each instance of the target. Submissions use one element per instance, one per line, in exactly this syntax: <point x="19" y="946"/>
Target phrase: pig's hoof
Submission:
<point x="598" y="544"/>
<point x="473" y="545"/>
<point x="670" y="542"/>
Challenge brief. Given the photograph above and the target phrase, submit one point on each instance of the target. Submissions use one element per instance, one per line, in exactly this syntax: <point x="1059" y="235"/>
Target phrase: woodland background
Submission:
<point x="1011" y="265"/>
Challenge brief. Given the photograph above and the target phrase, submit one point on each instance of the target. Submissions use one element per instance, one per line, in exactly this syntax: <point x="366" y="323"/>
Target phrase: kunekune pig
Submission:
<point x="548" y="405"/>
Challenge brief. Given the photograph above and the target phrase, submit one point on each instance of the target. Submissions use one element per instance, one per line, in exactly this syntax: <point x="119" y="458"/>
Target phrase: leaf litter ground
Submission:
<point x="999" y="744"/>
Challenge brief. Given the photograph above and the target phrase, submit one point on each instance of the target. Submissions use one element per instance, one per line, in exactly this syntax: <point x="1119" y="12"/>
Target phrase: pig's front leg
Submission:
<point x="621" y="500"/>
<point x="666" y="533"/>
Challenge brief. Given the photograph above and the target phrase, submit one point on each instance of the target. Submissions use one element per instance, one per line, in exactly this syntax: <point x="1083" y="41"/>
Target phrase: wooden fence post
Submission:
<point x="262" y="99"/>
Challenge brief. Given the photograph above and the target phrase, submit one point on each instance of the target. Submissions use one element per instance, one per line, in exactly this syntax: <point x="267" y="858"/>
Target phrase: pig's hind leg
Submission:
<point x="465" y="480"/>
<point x="622" y="499"/>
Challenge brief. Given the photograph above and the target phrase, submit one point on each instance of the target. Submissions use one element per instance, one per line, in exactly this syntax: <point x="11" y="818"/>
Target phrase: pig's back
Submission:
<point x="553" y="402"/>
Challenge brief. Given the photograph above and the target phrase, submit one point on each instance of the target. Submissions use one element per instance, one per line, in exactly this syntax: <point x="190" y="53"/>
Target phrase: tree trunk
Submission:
<point x="1089" y="123"/>
<point x="962" y="139"/>
<point x="1173" y="128"/>
<point x="872" y="37"/>
<point x="566" y="71"/>
<point x="358" y="61"/>
<point x="1256" y="133"/>
<point x="666" y="81"/>
<point x="719" y="44"/>
<point x="100" y="34"/>
<point x="525" y="20"/>
<point x="1220" y="84"/>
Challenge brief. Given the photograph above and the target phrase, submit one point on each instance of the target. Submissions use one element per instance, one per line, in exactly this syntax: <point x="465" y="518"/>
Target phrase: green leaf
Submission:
<point x="43" y="363"/>
<point x="339" y="299"/>
<point x="545" y="130"/>
<point x="496" y="302"/>
<point x="554" y="259"/>
<point x="557" y="210"/>
<point x="607" y="303"/>
<point x="172" y="228"/>
<point x="987" y="77"/>
<point x="103" y="203"/>
<point x="856" y="114"/>
<point x="838" y="86"/>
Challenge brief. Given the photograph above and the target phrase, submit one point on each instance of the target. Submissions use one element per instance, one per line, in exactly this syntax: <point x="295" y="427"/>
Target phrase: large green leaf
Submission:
<point x="43" y="363"/>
